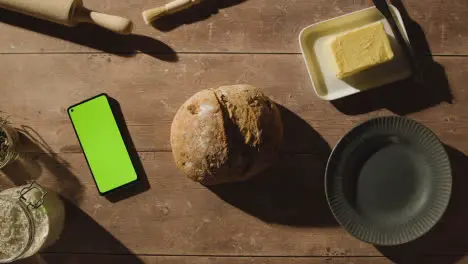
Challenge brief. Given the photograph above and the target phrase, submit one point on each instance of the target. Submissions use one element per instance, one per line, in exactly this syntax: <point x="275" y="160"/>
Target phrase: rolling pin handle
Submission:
<point x="117" y="24"/>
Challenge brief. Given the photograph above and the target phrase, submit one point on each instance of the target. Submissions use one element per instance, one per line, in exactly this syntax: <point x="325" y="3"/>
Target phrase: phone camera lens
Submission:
<point x="72" y="110"/>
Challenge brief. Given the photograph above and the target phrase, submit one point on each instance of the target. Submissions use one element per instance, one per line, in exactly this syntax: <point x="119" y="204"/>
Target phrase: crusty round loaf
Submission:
<point x="226" y="134"/>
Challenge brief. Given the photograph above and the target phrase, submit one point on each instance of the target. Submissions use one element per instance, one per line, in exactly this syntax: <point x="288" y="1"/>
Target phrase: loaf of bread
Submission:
<point x="226" y="134"/>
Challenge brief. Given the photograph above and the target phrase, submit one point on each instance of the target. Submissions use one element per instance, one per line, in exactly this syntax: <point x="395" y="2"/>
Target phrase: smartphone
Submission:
<point x="102" y="143"/>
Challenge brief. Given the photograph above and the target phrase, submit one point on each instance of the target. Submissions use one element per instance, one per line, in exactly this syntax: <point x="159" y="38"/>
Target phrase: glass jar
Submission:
<point x="8" y="144"/>
<point x="31" y="218"/>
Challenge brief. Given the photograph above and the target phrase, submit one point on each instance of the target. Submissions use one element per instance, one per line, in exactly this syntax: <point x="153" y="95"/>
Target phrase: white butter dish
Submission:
<point x="314" y="42"/>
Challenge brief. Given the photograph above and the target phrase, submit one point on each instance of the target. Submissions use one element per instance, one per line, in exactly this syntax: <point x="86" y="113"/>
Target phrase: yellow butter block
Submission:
<point x="361" y="49"/>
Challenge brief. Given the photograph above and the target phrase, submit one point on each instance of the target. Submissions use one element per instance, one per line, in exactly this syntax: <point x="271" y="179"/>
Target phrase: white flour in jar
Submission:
<point x="14" y="230"/>
<point x="48" y="219"/>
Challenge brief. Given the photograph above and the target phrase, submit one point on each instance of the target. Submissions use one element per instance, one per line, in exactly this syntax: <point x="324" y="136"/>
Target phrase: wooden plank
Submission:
<point x="226" y="26"/>
<point x="150" y="92"/>
<point x="283" y="212"/>
<point x="132" y="259"/>
<point x="177" y="216"/>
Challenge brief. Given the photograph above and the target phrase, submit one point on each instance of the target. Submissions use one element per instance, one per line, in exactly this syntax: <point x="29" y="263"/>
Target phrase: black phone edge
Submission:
<point x="84" y="154"/>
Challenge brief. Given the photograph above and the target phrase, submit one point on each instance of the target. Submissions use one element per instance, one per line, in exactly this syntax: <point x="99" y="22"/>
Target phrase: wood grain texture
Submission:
<point x="282" y="212"/>
<point x="227" y="26"/>
<point x="131" y="259"/>
<point x="108" y="259"/>
<point x="177" y="216"/>
<point x="151" y="91"/>
<point x="279" y="217"/>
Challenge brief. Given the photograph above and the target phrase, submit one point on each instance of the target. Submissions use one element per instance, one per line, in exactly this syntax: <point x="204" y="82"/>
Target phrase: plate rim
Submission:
<point x="334" y="153"/>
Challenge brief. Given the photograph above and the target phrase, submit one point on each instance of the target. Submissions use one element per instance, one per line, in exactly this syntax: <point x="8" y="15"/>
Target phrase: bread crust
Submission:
<point x="256" y="132"/>
<point x="226" y="134"/>
<point x="198" y="138"/>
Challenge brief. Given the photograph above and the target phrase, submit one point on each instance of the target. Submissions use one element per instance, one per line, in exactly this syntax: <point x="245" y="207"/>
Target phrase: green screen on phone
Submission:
<point x="102" y="144"/>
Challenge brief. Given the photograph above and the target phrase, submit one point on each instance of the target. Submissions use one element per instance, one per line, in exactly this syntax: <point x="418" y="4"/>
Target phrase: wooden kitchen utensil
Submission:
<point x="151" y="15"/>
<point x="69" y="13"/>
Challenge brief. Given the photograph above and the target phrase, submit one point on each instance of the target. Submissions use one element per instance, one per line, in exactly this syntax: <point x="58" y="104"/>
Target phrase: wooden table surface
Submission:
<point x="280" y="218"/>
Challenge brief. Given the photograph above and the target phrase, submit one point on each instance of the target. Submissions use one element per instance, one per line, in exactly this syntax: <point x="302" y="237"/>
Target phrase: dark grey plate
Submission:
<point x="388" y="181"/>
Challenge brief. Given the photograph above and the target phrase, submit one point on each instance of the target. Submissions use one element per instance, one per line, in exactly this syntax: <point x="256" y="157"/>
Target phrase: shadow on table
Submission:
<point x="83" y="235"/>
<point x="46" y="258"/>
<point x="198" y="12"/>
<point x="448" y="240"/>
<point x="93" y="36"/>
<point x="29" y="165"/>
<point x="406" y="96"/>
<point x="142" y="184"/>
<point x="292" y="191"/>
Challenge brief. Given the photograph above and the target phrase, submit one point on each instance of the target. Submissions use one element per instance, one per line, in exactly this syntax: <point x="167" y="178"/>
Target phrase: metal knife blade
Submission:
<point x="384" y="7"/>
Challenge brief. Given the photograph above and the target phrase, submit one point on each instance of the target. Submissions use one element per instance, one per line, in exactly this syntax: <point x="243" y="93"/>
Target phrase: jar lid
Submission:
<point x="16" y="229"/>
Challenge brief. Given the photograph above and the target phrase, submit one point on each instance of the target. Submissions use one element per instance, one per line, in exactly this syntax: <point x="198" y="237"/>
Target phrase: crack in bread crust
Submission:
<point x="235" y="132"/>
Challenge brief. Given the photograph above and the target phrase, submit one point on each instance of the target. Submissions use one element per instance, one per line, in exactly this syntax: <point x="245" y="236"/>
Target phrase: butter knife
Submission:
<point x="384" y="7"/>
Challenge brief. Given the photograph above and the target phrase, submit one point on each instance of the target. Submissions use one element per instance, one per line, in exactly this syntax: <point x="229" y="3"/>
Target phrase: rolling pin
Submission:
<point x="68" y="12"/>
